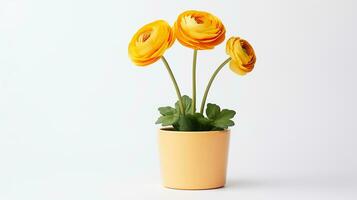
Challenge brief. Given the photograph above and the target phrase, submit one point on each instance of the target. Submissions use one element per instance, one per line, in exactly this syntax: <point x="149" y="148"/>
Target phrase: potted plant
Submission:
<point x="193" y="144"/>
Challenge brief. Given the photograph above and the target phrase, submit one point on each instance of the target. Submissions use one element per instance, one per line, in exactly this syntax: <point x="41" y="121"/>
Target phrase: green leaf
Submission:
<point x="201" y="119"/>
<point x="204" y="124"/>
<point x="187" y="103"/>
<point x="177" y="107"/>
<point x="212" y="110"/>
<point x="216" y="119"/>
<point x="167" y="120"/>
<point x="185" y="123"/>
<point x="220" y="119"/>
<point x="223" y="123"/>
<point x="167" y="110"/>
<point x="196" y="122"/>
<point x="169" y="116"/>
<point x="226" y="114"/>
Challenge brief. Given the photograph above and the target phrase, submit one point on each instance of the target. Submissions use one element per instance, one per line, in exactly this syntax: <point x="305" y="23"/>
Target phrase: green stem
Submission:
<point x="175" y="84"/>
<point x="210" y="83"/>
<point x="194" y="81"/>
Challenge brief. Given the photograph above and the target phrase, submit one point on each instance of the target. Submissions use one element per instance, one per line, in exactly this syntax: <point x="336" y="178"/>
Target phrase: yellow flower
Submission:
<point x="242" y="54"/>
<point x="199" y="30"/>
<point x="150" y="42"/>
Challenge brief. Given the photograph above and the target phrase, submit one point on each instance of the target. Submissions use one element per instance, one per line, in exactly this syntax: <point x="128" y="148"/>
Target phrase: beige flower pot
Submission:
<point x="193" y="160"/>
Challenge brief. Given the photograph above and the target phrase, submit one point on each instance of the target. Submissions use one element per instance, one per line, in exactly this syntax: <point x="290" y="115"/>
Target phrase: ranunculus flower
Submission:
<point x="199" y="30"/>
<point x="150" y="42"/>
<point x="242" y="54"/>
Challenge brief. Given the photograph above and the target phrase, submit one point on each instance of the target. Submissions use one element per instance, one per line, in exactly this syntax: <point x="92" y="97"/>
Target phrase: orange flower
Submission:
<point x="150" y="43"/>
<point x="242" y="54"/>
<point x="199" y="30"/>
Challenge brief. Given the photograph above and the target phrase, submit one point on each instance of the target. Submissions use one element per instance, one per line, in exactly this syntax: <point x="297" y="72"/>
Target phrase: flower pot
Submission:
<point x="193" y="160"/>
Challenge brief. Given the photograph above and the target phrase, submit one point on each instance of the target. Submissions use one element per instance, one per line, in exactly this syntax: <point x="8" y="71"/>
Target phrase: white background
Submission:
<point x="77" y="118"/>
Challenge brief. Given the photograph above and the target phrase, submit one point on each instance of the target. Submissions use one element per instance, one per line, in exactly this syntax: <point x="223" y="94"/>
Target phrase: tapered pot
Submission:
<point x="193" y="160"/>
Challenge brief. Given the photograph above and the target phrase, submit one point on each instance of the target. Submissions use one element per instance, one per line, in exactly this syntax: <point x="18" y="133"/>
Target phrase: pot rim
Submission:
<point x="170" y="130"/>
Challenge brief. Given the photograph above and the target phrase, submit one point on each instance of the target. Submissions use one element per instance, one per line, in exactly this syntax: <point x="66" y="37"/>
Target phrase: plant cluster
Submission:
<point x="197" y="30"/>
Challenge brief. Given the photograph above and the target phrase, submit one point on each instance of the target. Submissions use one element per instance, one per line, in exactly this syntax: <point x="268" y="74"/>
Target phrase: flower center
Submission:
<point x="192" y="21"/>
<point x="246" y="48"/>
<point x="198" y="19"/>
<point x="144" y="36"/>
